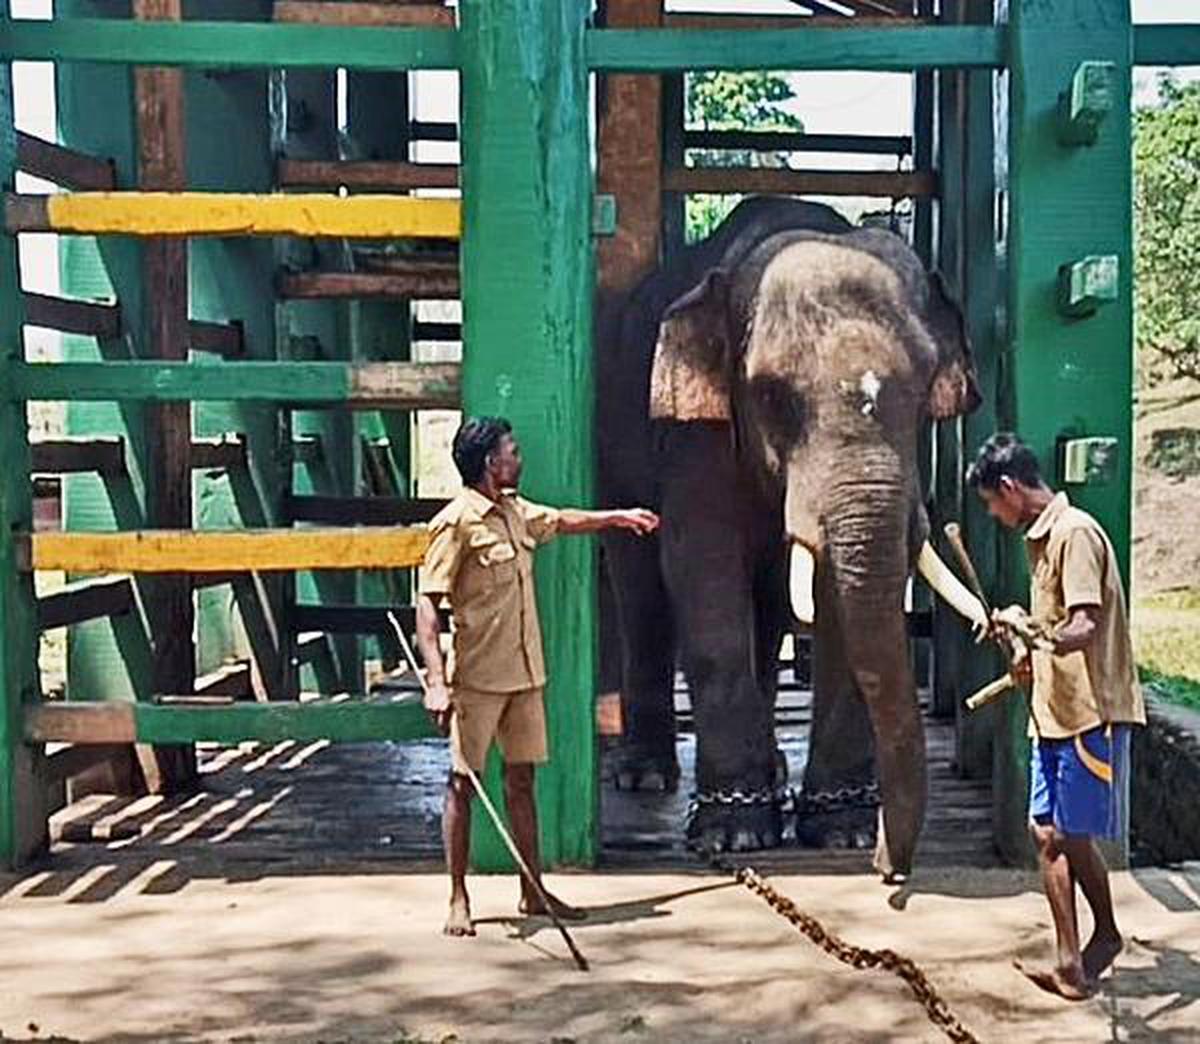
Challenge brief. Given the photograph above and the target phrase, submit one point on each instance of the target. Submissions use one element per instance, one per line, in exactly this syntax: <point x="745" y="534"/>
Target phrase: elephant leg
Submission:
<point x="709" y="570"/>
<point x="837" y="806"/>
<point x="646" y="756"/>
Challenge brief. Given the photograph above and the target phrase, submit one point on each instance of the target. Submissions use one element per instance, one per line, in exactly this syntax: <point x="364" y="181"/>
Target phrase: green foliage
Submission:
<point x="1167" y="221"/>
<point x="732" y="101"/>
<point x="1173" y="688"/>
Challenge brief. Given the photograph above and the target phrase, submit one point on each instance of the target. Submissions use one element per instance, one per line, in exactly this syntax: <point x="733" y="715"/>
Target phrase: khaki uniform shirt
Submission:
<point x="480" y="556"/>
<point x="1073" y="565"/>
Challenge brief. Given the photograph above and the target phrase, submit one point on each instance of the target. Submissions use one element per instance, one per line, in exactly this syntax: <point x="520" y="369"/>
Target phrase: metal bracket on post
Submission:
<point x="1083" y="106"/>
<point x="1086" y="284"/>
<point x="604" y="214"/>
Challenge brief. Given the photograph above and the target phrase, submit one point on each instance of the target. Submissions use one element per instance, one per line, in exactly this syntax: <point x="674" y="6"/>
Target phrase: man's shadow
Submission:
<point x="1173" y="979"/>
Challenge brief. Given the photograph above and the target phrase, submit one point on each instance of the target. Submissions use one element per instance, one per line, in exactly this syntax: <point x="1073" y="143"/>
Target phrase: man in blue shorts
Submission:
<point x="1085" y="696"/>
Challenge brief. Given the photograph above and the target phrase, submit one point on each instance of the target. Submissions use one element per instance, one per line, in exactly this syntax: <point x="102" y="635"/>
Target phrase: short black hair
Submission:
<point x="1004" y="455"/>
<point x="474" y="440"/>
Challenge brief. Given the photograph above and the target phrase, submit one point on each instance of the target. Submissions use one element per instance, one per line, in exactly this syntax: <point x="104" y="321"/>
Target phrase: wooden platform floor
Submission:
<point x="296" y="808"/>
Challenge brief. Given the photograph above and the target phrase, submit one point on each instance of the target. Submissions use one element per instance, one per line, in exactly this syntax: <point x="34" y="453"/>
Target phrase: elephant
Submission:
<point x="765" y="391"/>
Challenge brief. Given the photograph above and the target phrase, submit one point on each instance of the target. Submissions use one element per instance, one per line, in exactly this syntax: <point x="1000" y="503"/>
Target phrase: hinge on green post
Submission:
<point x="1086" y="284"/>
<point x="1083" y="106"/>
<point x="604" y="214"/>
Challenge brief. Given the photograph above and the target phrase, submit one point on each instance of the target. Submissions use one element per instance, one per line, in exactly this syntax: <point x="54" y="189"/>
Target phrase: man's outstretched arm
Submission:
<point x="573" y="521"/>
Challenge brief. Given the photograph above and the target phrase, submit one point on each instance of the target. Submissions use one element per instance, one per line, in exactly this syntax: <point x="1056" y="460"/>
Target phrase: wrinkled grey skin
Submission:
<point x="791" y="308"/>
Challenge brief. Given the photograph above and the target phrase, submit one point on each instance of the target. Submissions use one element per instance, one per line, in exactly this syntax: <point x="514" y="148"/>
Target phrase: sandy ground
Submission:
<point x="674" y="957"/>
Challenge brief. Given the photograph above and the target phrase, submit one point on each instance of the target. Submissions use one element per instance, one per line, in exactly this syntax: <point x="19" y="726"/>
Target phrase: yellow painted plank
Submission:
<point x="243" y="214"/>
<point x="219" y="551"/>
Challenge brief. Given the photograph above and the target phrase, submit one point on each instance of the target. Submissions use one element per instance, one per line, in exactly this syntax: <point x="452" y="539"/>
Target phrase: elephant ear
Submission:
<point x="690" y="377"/>
<point x="954" y="389"/>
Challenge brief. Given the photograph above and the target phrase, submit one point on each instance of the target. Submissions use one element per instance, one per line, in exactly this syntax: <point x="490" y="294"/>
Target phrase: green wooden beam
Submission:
<point x="365" y="386"/>
<point x="878" y="49"/>
<point x="527" y="193"/>
<point x="219" y="721"/>
<point x="23" y="828"/>
<point x="229" y="45"/>
<point x="1166" y="44"/>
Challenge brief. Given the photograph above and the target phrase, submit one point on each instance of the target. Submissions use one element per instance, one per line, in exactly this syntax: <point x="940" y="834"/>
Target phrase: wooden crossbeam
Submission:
<point x="356" y="619"/>
<point x="782" y="181"/>
<point x="64" y="456"/>
<point x="425" y="331"/>
<point x="372" y="216"/>
<point x="350" y="12"/>
<point x="233" y="679"/>
<point x="373" y="174"/>
<point x="432" y="130"/>
<point x="399" y="717"/>
<point x="223" y="551"/>
<point x="86" y="600"/>
<point x="360" y="511"/>
<point x="62" y="166"/>
<point x="798" y="141"/>
<point x="71" y="760"/>
<point x="684" y="20"/>
<point x="213" y="454"/>
<point x="398" y="385"/>
<point x="225" y="339"/>
<point x="90" y="318"/>
<point x="1177" y="44"/>
<point x="428" y="282"/>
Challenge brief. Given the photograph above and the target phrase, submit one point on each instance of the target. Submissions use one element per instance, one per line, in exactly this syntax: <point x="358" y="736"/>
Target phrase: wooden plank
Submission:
<point x="426" y="331"/>
<point x="362" y="386"/>
<point x="65" y="456"/>
<point x="1176" y="44"/>
<point x="629" y="160"/>
<point x="348" y="12"/>
<point x="230" y="45"/>
<point x="74" y="759"/>
<point x="233" y="679"/>
<point x="685" y="20"/>
<point x="366" y="216"/>
<point x="877" y="49"/>
<point x="222" y="551"/>
<point x="225" y="339"/>
<point x="62" y="166"/>
<point x="374" y="174"/>
<point x="798" y="141"/>
<point x="215" y="454"/>
<point x="91" y="318"/>
<point x="360" y="511"/>
<point x="425" y="282"/>
<point x="432" y="130"/>
<point x="772" y="180"/>
<point x="348" y="721"/>
<point x="86" y="600"/>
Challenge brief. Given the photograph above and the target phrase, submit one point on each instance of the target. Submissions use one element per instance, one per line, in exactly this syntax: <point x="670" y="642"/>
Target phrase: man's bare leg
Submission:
<point x="1106" y="942"/>
<point x="522" y="814"/>
<point x="456" y="836"/>
<point x="1067" y="977"/>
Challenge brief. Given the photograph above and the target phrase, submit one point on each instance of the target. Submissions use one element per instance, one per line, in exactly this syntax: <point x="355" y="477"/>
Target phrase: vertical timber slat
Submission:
<point x="1068" y="376"/>
<point x="23" y="827"/>
<point x="161" y="161"/>
<point x="527" y="193"/>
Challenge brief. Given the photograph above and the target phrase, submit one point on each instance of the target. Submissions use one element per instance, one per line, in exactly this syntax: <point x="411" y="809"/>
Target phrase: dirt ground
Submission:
<point x="674" y="958"/>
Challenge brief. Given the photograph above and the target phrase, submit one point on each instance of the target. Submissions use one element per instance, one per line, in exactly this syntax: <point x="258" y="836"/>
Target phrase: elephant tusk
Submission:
<point x="801" y="576"/>
<point x="938" y="575"/>
<point x="991" y="691"/>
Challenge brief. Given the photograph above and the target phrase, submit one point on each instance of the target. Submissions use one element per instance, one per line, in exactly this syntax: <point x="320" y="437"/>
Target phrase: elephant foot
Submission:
<point x="723" y="821"/>
<point x="844" y="818"/>
<point x="634" y="768"/>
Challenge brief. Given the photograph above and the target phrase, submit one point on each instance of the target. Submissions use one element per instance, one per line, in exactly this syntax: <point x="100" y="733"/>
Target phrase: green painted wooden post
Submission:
<point x="527" y="290"/>
<point x="1068" y="202"/>
<point x="22" y="792"/>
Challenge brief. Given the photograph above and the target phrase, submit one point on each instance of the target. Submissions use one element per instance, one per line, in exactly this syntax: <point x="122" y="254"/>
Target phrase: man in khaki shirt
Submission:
<point x="1085" y="695"/>
<point x="480" y="559"/>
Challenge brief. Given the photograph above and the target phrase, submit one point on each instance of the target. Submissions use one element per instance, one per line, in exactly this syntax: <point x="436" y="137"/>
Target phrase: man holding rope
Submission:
<point x="1085" y="695"/>
<point x="480" y="559"/>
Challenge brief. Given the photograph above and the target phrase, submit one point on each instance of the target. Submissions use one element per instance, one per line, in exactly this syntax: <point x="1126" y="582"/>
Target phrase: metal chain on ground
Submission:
<point x="856" y="956"/>
<point x="837" y="799"/>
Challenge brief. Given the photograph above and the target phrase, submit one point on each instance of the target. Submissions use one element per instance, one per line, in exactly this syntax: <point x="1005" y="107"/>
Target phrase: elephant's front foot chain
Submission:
<point x="840" y="817"/>
<point x="635" y="768"/>
<point x="734" y="821"/>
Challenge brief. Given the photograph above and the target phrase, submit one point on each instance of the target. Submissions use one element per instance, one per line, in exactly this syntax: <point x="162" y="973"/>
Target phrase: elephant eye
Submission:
<point x="780" y="409"/>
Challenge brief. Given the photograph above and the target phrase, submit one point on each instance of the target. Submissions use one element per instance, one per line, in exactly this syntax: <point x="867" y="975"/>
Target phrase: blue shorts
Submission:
<point x="1076" y="784"/>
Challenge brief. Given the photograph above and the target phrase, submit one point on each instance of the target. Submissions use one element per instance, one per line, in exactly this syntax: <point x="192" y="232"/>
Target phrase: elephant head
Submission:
<point x="827" y="353"/>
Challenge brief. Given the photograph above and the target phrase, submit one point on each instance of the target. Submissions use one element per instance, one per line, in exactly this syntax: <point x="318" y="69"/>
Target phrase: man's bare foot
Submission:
<point x="1100" y="952"/>
<point x="458" y="921"/>
<point x="532" y="906"/>
<point x="1067" y="983"/>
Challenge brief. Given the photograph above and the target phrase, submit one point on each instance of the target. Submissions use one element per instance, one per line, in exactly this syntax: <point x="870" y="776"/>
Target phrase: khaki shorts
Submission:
<point x="516" y="720"/>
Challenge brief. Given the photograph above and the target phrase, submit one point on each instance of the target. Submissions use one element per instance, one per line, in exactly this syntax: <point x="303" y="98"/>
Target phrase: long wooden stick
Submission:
<point x="497" y="822"/>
